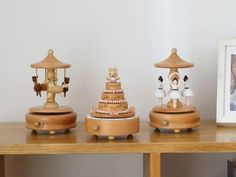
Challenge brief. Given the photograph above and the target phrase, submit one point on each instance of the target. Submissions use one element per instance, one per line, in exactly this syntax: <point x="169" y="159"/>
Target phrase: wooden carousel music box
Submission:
<point x="112" y="117"/>
<point x="50" y="117"/>
<point x="177" y="114"/>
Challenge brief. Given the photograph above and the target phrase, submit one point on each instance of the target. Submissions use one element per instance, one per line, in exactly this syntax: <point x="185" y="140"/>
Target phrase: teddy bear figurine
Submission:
<point x="113" y="75"/>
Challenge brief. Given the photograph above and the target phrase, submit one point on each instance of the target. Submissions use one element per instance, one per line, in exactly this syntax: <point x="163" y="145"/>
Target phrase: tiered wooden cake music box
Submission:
<point x="177" y="114"/>
<point x="112" y="117"/>
<point x="50" y="117"/>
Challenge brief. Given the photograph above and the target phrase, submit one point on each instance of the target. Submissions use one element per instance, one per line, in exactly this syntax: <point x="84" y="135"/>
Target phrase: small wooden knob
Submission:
<point x="177" y="130"/>
<point x="52" y="132"/>
<point x="96" y="128"/>
<point x="164" y="122"/>
<point x="111" y="137"/>
<point x="38" y="124"/>
<point x="174" y="50"/>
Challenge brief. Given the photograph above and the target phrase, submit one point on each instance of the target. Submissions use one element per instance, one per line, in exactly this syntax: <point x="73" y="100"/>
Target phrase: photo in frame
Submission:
<point x="226" y="85"/>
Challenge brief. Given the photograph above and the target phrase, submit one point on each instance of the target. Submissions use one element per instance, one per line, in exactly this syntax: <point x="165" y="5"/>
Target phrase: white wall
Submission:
<point x="95" y="34"/>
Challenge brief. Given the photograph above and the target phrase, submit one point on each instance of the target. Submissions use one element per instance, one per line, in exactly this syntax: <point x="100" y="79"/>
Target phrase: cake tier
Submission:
<point x="113" y="96"/>
<point x="113" y="91"/>
<point x="113" y="86"/>
<point x="113" y="106"/>
<point x="111" y="114"/>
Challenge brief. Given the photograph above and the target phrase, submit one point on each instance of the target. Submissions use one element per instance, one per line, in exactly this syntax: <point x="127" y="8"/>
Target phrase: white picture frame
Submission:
<point x="226" y="84"/>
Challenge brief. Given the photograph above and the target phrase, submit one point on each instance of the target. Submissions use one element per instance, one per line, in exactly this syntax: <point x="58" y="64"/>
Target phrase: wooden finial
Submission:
<point x="50" y="51"/>
<point x="174" y="50"/>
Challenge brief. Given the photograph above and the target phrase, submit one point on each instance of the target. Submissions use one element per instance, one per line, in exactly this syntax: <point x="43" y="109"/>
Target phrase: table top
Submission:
<point x="16" y="139"/>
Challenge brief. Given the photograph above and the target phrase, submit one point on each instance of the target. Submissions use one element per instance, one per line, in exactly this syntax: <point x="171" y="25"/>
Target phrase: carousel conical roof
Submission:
<point x="174" y="61"/>
<point x="50" y="62"/>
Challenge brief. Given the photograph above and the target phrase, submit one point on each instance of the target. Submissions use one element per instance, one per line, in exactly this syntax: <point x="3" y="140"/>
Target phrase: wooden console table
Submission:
<point x="15" y="139"/>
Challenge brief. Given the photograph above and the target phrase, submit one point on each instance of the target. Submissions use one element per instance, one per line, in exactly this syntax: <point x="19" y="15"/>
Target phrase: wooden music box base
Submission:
<point x="50" y="120"/>
<point x="184" y="118"/>
<point x="111" y="128"/>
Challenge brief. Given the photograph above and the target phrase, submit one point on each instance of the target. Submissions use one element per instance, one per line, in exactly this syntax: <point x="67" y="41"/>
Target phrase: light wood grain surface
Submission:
<point x="16" y="139"/>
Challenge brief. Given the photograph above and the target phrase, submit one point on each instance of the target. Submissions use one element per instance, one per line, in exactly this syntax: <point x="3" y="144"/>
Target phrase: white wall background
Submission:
<point x="95" y="34"/>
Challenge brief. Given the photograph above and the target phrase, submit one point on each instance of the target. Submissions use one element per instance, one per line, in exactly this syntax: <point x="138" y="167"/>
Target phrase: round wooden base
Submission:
<point x="175" y="121"/>
<point x="50" y="122"/>
<point x="111" y="128"/>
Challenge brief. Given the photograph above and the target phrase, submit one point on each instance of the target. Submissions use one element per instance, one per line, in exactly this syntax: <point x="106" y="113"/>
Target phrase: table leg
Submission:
<point x="2" y="166"/>
<point x="152" y="165"/>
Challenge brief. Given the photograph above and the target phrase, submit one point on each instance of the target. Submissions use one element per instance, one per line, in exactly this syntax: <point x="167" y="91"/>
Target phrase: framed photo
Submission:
<point x="226" y="85"/>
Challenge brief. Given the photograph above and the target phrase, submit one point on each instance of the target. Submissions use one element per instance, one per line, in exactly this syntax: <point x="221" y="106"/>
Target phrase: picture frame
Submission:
<point x="226" y="84"/>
